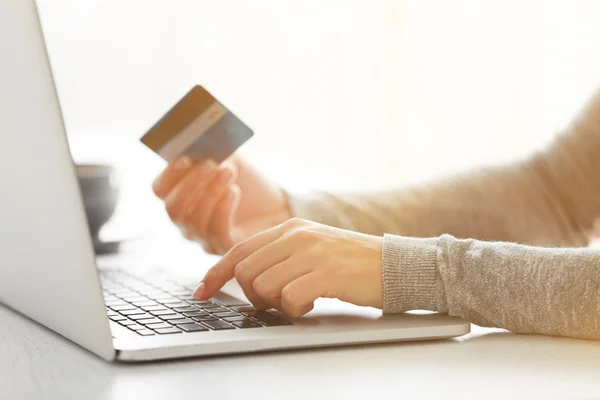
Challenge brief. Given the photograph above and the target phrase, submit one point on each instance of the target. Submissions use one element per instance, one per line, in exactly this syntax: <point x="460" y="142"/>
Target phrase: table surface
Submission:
<point x="36" y="363"/>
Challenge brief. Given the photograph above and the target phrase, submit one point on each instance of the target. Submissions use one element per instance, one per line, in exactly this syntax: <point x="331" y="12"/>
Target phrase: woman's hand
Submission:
<point x="291" y="265"/>
<point x="220" y="206"/>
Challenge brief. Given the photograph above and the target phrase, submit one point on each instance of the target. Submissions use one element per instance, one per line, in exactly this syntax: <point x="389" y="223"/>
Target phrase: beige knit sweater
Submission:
<point x="501" y="247"/>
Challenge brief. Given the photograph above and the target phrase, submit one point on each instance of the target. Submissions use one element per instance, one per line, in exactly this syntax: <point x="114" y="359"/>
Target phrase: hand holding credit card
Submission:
<point x="215" y="205"/>
<point x="199" y="127"/>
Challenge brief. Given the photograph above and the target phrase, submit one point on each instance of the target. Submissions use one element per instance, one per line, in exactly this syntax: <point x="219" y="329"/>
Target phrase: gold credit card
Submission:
<point x="199" y="127"/>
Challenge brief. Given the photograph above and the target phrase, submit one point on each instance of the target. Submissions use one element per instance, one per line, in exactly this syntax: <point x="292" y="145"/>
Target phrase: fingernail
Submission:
<point x="156" y="185"/>
<point x="182" y="163"/>
<point x="185" y="232"/>
<point x="199" y="291"/>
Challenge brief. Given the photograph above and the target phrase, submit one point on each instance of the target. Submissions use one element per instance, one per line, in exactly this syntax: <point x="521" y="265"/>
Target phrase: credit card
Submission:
<point x="199" y="127"/>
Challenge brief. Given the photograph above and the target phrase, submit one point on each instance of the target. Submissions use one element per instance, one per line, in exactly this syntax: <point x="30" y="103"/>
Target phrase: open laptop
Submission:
<point x="49" y="273"/>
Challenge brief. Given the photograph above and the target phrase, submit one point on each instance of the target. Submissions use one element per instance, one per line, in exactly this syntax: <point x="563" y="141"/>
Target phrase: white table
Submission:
<point x="38" y="364"/>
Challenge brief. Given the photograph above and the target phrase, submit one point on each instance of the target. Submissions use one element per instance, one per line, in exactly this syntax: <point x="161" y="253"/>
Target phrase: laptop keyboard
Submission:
<point x="165" y="307"/>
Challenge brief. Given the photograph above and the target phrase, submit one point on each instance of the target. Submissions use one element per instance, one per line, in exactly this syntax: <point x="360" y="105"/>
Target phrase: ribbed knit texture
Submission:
<point x="409" y="268"/>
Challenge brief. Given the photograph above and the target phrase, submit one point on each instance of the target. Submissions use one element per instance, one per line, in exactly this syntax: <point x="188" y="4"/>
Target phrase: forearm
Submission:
<point x="501" y="204"/>
<point x="550" y="199"/>
<point x="520" y="288"/>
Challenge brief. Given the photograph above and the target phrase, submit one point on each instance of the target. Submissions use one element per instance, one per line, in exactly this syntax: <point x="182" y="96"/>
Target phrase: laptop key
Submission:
<point x="205" y="318"/>
<point x="161" y="296"/>
<point x="247" y="323"/>
<point x="217" y="310"/>
<point x="196" y="313"/>
<point x="149" y="321"/>
<point x="117" y="318"/>
<point x="168" y="300"/>
<point x="145" y="332"/>
<point x="145" y="303"/>
<point x="198" y="302"/>
<point x="165" y="286"/>
<point x="154" y="308"/>
<point x="264" y="314"/>
<point x="217" y="325"/>
<point x="136" y="327"/>
<point x="165" y="331"/>
<point x="171" y="316"/>
<point x="123" y="292"/>
<point x="235" y="318"/>
<point x="177" y="305"/>
<point x="184" y="309"/>
<point x="208" y="306"/>
<point x="225" y="314"/>
<point x="123" y="307"/>
<point x="127" y="322"/>
<point x="130" y="296"/>
<point x="141" y="316"/>
<point x="151" y="292"/>
<point x="269" y="319"/>
<point x="227" y="300"/>
<point x="186" y="298"/>
<point x="275" y="322"/>
<point x="116" y="303"/>
<point x="243" y="308"/>
<point x="181" y="292"/>
<point x="154" y="327"/>
<point x="136" y="311"/>
<point x="134" y="300"/>
<point x="192" y="327"/>
<point x="181" y="321"/>
<point x="162" y="312"/>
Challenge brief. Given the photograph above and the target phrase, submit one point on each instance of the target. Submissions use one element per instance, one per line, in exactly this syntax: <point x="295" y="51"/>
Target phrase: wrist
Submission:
<point x="365" y="288"/>
<point x="377" y="274"/>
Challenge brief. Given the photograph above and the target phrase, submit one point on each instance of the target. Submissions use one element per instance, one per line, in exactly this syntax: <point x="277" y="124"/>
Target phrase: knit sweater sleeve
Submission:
<point x="497" y="246"/>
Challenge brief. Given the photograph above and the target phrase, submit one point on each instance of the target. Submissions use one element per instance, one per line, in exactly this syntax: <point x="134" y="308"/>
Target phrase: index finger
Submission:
<point x="223" y="270"/>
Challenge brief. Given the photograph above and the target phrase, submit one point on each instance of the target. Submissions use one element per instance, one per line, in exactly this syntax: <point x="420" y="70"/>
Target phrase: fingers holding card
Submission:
<point x="221" y="205"/>
<point x="197" y="133"/>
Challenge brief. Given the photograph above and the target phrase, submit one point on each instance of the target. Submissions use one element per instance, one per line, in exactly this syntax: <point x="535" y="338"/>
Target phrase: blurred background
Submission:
<point x="341" y="94"/>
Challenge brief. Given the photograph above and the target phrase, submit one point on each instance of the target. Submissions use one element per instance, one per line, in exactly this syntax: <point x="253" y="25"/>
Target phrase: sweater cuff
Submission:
<point x="409" y="273"/>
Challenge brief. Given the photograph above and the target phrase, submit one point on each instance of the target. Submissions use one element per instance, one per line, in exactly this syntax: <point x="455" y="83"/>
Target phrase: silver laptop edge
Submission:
<point x="47" y="254"/>
<point x="49" y="273"/>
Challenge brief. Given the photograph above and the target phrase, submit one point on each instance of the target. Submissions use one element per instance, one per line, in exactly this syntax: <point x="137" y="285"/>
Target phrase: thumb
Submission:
<point x="223" y="220"/>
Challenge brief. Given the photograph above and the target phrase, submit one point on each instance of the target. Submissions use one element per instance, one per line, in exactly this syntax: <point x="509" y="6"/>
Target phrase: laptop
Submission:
<point x="49" y="272"/>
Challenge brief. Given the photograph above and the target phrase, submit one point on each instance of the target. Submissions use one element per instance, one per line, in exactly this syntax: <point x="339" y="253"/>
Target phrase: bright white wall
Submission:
<point x="363" y="87"/>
